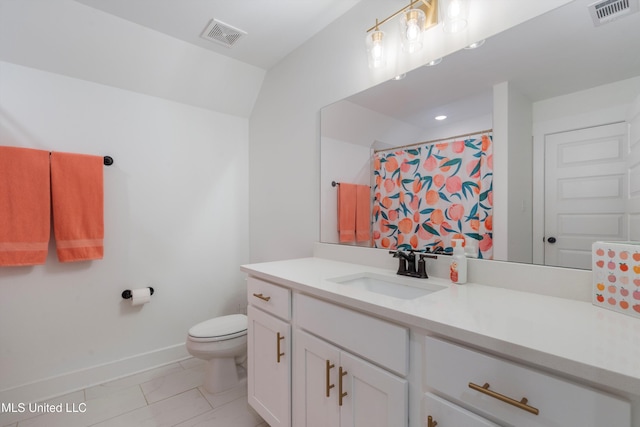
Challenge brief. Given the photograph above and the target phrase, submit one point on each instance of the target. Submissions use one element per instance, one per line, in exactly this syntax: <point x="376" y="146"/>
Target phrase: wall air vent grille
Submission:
<point x="222" y="33"/>
<point x="605" y="11"/>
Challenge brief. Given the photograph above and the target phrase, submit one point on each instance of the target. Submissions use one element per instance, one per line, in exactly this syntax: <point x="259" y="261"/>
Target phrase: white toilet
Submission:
<point x="222" y="342"/>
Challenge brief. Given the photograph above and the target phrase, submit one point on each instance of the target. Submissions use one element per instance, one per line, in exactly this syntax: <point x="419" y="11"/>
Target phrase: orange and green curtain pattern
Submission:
<point x="427" y="195"/>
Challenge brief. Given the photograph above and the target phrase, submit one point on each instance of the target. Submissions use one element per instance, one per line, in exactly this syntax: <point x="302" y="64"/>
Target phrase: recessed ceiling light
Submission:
<point x="475" y="45"/>
<point x="434" y="62"/>
<point x="440" y="117"/>
<point x="400" y="76"/>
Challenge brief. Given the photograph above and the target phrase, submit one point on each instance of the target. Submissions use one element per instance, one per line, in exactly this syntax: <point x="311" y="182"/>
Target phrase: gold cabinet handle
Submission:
<point x="262" y="297"/>
<point x="280" y="353"/>
<point x="329" y="385"/>
<point x="341" y="394"/>
<point x="431" y="422"/>
<point x="522" y="404"/>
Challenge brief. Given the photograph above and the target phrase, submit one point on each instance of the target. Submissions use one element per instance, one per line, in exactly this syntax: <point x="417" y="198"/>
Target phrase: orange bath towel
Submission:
<point x="346" y="212"/>
<point x="25" y="206"/>
<point x="78" y="206"/>
<point x="354" y="212"/>
<point x="363" y="213"/>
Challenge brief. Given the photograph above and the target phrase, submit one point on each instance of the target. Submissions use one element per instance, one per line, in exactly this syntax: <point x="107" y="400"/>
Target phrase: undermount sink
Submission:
<point x="396" y="287"/>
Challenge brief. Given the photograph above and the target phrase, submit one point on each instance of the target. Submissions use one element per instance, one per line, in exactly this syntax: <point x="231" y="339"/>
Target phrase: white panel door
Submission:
<point x="315" y="398"/>
<point x="586" y="182"/>
<point x="372" y="397"/>
<point x="633" y="118"/>
<point x="269" y="367"/>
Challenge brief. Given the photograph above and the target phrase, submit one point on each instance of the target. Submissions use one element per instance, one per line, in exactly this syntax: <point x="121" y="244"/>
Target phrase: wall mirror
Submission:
<point x="557" y="91"/>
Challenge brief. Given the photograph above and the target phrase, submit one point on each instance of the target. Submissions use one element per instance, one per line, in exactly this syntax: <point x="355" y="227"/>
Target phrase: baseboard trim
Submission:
<point x="69" y="382"/>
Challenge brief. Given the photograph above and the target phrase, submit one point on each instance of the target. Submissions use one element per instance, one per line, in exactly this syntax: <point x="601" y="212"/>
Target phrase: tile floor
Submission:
<point x="167" y="396"/>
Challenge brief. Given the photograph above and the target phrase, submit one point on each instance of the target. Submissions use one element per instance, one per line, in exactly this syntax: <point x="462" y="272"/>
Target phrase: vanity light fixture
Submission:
<point x="455" y="15"/>
<point x="415" y="18"/>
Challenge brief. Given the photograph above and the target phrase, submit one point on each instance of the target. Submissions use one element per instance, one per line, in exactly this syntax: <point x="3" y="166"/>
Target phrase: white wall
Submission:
<point x="513" y="174"/>
<point x="176" y="199"/>
<point x="175" y="219"/>
<point x="284" y="128"/>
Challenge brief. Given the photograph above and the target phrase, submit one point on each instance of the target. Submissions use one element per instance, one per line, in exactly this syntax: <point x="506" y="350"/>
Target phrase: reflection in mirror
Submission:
<point x="562" y="96"/>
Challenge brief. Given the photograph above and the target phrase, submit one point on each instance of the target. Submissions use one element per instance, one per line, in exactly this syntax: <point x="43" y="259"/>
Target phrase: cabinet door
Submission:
<point x="446" y="414"/>
<point x="374" y="397"/>
<point x="315" y="396"/>
<point x="269" y="367"/>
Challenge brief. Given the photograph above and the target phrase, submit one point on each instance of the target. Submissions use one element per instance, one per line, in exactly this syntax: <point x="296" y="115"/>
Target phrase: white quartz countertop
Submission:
<point x="574" y="338"/>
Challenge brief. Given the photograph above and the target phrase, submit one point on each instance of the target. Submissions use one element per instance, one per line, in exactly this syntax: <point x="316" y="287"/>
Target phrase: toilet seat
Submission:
<point x="219" y="328"/>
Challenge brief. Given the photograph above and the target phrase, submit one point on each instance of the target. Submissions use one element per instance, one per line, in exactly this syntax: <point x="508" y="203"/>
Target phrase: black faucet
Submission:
<point x="407" y="264"/>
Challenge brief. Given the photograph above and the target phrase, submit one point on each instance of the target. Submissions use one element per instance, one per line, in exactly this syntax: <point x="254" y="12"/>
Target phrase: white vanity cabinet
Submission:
<point x="513" y="394"/>
<point x="269" y="351"/>
<point x="335" y="388"/>
<point x="348" y="357"/>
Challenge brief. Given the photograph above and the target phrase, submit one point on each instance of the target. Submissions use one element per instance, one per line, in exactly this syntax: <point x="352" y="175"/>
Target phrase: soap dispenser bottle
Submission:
<point x="458" y="266"/>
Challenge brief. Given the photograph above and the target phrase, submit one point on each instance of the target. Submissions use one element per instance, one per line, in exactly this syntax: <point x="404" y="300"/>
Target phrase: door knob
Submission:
<point x="551" y="240"/>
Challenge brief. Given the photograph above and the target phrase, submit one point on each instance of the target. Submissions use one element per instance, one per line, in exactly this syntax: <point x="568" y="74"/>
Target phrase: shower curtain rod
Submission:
<point x="432" y="141"/>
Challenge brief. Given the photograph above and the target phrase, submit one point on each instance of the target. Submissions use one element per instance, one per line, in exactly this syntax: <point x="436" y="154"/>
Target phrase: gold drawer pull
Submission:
<point x="262" y="297"/>
<point x="329" y="385"/>
<point x="522" y="404"/>
<point x="280" y="353"/>
<point x="341" y="373"/>
<point x="431" y="422"/>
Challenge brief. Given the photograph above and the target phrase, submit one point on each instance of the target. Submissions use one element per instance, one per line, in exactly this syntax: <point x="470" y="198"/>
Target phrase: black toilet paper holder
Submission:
<point x="127" y="293"/>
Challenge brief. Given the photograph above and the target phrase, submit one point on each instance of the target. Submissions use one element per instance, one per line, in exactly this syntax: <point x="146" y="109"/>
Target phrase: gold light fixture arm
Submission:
<point x="430" y="8"/>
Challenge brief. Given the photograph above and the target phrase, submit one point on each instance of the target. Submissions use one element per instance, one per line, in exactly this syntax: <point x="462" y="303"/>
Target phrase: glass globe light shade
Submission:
<point x="455" y="18"/>
<point x="375" y="49"/>
<point x="412" y="24"/>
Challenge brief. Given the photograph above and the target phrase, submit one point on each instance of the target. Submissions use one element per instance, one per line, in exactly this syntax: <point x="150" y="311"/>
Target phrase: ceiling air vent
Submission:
<point x="222" y="33"/>
<point x="608" y="10"/>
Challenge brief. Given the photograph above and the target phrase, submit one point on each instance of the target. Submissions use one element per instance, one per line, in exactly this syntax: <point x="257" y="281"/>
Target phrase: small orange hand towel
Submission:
<point x="25" y="206"/>
<point x="346" y="212"/>
<point x="363" y="213"/>
<point x="78" y="206"/>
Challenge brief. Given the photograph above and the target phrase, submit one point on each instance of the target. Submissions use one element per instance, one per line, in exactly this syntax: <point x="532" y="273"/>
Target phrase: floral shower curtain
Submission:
<point x="426" y="196"/>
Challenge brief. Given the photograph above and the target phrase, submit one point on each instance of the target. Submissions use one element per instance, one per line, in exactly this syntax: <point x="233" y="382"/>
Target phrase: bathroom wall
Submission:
<point x="284" y="126"/>
<point x="176" y="199"/>
<point x="512" y="230"/>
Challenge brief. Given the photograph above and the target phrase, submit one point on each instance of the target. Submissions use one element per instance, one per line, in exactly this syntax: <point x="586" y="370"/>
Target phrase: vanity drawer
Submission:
<point x="446" y="414"/>
<point x="452" y="371"/>
<point x="269" y="297"/>
<point x="383" y="343"/>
